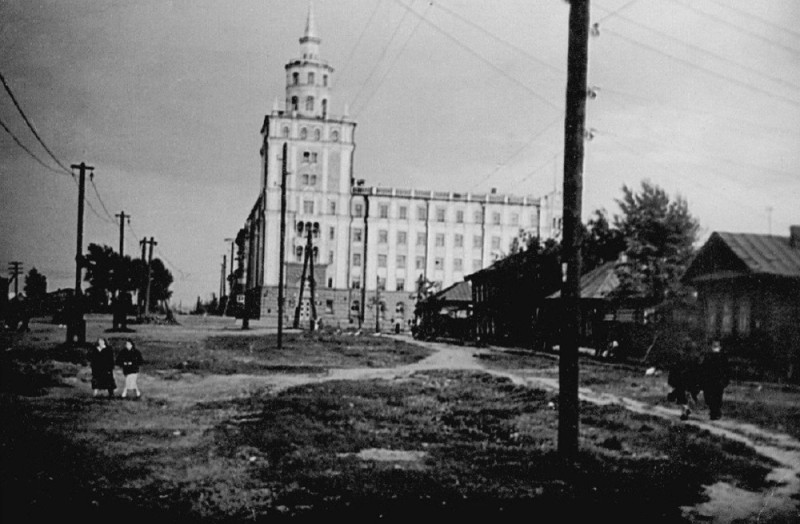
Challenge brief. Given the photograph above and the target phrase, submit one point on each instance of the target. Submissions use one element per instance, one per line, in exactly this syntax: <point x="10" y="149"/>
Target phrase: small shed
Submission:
<point x="446" y="314"/>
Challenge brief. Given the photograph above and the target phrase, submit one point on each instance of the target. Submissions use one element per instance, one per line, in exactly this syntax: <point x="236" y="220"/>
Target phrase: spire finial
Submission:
<point x="311" y="27"/>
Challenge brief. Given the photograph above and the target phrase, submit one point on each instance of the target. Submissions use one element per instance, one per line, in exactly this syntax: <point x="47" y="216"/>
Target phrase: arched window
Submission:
<point x="400" y="309"/>
<point x="325" y="80"/>
<point x="294" y="103"/>
<point x="299" y="229"/>
<point x="295" y="78"/>
<point x="299" y="253"/>
<point x="286" y="132"/>
<point x="310" y="103"/>
<point x="335" y="136"/>
<point x="311" y="78"/>
<point x="355" y="306"/>
<point x="324" y="108"/>
<point x="317" y="134"/>
<point x="303" y="133"/>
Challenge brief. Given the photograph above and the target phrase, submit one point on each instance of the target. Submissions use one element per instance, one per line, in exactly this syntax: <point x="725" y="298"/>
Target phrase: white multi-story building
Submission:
<point x="371" y="245"/>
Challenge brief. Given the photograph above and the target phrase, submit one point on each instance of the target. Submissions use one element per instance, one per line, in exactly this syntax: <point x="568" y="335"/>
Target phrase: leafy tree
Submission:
<point x="601" y="242"/>
<point x="35" y="284"/>
<point x="659" y="234"/>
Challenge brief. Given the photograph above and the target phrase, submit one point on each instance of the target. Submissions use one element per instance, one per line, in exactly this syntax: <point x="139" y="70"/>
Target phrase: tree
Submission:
<point x="601" y="242"/>
<point x="106" y="273"/>
<point x="35" y="284"/>
<point x="659" y="234"/>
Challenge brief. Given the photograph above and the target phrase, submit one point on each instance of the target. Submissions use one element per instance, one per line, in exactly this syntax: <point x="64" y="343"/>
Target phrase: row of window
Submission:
<point x="311" y="78"/>
<point x="441" y="214"/>
<point x="419" y="262"/>
<point x="317" y="134"/>
<point x="725" y="316"/>
<point x="439" y="239"/>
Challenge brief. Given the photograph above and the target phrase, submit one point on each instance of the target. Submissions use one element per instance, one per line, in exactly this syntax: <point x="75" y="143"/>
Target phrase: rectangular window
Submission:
<point x="332" y="207"/>
<point x="476" y="264"/>
<point x="727" y="317"/>
<point x="711" y="318"/>
<point x="313" y="158"/>
<point x="357" y="259"/>
<point x="330" y="258"/>
<point x="477" y="242"/>
<point x="402" y="238"/>
<point x="495" y="242"/>
<point x="310" y="78"/>
<point x="514" y="219"/>
<point x="383" y="236"/>
<point x="381" y="260"/>
<point x="439" y="239"/>
<point x="356" y="284"/>
<point x="496" y="219"/>
<point x="329" y="306"/>
<point x="438" y="263"/>
<point x="419" y="263"/>
<point x="306" y="157"/>
<point x="458" y="264"/>
<point x="400" y="284"/>
<point x="478" y="217"/>
<point x="421" y="213"/>
<point x="743" y="319"/>
<point x="440" y="214"/>
<point x="308" y="207"/>
<point x="358" y="210"/>
<point x="420" y="239"/>
<point x="403" y="212"/>
<point x="458" y="240"/>
<point x="331" y="233"/>
<point x="382" y="284"/>
<point x="384" y="210"/>
<point x="460" y="216"/>
<point x="534" y="221"/>
<point x="357" y="236"/>
<point x="400" y="261"/>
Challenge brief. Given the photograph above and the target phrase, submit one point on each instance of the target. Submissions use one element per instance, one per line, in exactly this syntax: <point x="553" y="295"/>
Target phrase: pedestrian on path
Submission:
<point x="101" y="359"/>
<point x="684" y="377"/>
<point x="130" y="360"/>
<point x="714" y="375"/>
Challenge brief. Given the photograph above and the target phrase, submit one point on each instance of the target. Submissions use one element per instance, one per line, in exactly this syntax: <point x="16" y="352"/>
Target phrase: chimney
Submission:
<point x="794" y="236"/>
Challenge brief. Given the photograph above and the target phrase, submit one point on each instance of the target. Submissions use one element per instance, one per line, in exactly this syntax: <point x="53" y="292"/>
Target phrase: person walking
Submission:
<point x="101" y="359"/>
<point x="130" y="360"/>
<point x="684" y="377"/>
<point x="714" y="374"/>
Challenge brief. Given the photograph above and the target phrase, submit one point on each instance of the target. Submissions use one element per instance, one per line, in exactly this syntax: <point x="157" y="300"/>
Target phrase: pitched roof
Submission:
<point x="458" y="292"/>
<point x="597" y="283"/>
<point x="761" y="254"/>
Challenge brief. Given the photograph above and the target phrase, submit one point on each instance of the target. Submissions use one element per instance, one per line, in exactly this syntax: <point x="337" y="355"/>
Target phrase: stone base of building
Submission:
<point x="339" y="308"/>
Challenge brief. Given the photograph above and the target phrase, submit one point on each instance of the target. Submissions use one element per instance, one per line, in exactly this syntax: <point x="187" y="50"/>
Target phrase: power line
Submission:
<point x="704" y="69"/>
<point x="360" y="37"/>
<point x="709" y="53"/>
<point x="30" y="125"/>
<point x="750" y="15"/>
<point x="100" y="199"/>
<point x="380" y="57"/>
<point x="24" y="148"/>
<point x="479" y="57"/>
<point x="391" y="65"/>
<point x="737" y="28"/>
<point x="488" y="33"/>
<point x="615" y="12"/>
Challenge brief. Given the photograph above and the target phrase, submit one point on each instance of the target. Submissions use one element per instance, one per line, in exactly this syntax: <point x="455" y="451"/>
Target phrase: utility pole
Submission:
<point x="222" y="282"/>
<point x="303" y="276"/>
<point x="152" y="243"/>
<point x="14" y="271"/>
<point x="312" y="318"/>
<point x="122" y="216"/>
<point x="574" y="125"/>
<point x="139" y="298"/>
<point x="76" y="328"/>
<point x="364" y="267"/>
<point x="282" y="254"/>
<point x="230" y="279"/>
<point x="377" y="304"/>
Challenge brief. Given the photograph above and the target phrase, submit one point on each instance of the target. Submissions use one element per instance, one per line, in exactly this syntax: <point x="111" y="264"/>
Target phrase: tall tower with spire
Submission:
<point x="308" y="79"/>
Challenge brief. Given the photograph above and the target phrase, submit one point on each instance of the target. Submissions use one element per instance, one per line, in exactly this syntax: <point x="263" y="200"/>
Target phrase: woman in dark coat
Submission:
<point x="714" y="374"/>
<point x="130" y="360"/>
<point x="102" y="362"/>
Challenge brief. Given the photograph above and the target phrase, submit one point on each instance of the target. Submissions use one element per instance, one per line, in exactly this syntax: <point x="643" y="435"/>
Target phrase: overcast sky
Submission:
<point x="166" y="98"/>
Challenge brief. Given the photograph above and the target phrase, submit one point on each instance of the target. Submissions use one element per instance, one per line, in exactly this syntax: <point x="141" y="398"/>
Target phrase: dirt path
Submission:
<point x="726" y="503"/>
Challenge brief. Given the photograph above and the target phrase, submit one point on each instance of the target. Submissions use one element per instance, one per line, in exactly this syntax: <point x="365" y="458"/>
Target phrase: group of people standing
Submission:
<point x="691" y="375"/>
<point x="102" y="363"/>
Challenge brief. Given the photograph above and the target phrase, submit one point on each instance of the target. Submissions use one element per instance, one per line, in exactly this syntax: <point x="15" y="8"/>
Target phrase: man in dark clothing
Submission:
<point x="684" y="377"/>
<point x="714" y="374"/>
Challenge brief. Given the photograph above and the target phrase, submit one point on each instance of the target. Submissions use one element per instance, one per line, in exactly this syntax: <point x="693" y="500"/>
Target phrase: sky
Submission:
<point x="165" y="99"/>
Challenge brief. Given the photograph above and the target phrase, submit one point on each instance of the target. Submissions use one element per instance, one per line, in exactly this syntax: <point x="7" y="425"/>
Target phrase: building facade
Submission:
<point x="370" y="245"/>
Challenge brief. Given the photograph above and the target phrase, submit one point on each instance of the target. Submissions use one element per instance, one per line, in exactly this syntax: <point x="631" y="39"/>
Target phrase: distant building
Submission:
<point x="748" y="287"/>
<point x="368" y="241"/>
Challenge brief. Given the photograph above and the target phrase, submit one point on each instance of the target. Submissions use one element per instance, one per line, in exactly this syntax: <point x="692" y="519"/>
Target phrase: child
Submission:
<point x="130" y="359"/>
<point x="102" y="362"/>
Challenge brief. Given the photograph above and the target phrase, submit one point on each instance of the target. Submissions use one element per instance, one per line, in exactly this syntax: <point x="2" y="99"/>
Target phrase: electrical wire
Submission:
<point x="750" y="15"/>
<point x="31" y="127"/>
<point x="24" y="148"/>
<point x="100" y="199"/>
<point x="391" y="65"/>
<point x="704" y="69"/>
<point x="481" y="58"/>
<point x="358" y="40"/>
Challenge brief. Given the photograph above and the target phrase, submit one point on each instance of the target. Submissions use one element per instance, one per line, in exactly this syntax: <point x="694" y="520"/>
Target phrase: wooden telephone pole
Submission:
<point x="574" y="124"/>
<point x="76" y="327"/>
<point x="308" y="273"/>
<point x="152" y="243"/>
<point x="282" y="255"/>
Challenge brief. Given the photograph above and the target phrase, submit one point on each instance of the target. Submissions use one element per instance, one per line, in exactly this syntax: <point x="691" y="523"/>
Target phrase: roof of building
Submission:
<point x="770" y="255"/>
<point x="458" y="292"/>
<point x="597" y="283"/>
